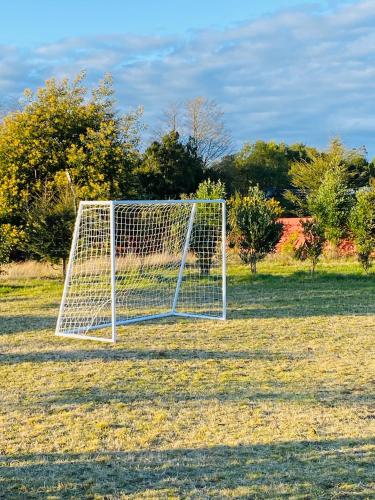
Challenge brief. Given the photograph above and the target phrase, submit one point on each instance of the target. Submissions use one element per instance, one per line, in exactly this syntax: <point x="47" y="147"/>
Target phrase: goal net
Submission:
<point x="137" y="260"/>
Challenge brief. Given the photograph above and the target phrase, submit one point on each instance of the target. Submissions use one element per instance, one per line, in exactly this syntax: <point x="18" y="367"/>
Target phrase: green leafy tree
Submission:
<point x="307" y="174"/>
<point x="50" y="226"/>
<point x="331" y="203"/>
<point x="206" y="233"/>
<point x="64" y="129"/>
<point x="362" y="226"/>
<point x="225" y="171"/>
<point x="264" y="164"/>
<point x="255" y="230"/>
<point x="313" y="243"/>
<point x="169" y="168"/>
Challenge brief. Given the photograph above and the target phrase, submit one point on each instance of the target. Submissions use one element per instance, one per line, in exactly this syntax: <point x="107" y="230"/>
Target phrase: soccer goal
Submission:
<point x="132" y="261"/>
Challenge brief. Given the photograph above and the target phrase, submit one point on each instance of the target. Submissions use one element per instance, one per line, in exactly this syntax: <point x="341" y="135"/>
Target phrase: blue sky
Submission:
<point x="32" y="22"/>
<point x="288" y="70"/>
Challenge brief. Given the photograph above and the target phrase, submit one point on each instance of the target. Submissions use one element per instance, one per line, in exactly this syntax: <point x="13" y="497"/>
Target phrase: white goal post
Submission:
<point x="134" y="260"/>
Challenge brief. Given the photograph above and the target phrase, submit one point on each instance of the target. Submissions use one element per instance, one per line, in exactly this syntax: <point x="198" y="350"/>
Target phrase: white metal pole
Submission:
<point x="112" y="226"/>
<point x="224" y="258"/>
<point x="70" y="268"/>
<point x="184" y="255"/>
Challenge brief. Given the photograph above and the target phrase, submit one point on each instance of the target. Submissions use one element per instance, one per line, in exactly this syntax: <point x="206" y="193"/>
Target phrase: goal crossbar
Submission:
<point x="139" y="260"/>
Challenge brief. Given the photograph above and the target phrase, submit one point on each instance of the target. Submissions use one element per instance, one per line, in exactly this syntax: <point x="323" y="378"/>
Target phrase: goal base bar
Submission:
<point x="85" y="337"/>
<point x="199" y="316"/>
<point x="76" y="333"/>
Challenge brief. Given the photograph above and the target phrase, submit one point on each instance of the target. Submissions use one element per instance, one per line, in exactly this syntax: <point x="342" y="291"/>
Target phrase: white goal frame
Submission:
<point x="82" y="331"/>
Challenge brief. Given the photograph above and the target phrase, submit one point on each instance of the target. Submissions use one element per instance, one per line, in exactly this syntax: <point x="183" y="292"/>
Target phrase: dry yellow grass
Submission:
<point x="276" y="402"/>
<point x="29" y="270"/>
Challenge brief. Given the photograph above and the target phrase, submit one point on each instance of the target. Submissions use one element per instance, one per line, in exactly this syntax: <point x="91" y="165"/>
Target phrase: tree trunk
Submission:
<point x="253" y="265"/>
<point x="314" y="263"/>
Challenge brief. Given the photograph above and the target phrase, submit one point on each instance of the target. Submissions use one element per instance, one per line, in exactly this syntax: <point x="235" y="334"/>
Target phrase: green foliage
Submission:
<point x="169" y="168"/>
<point x="330" y="204"/>
<point x="264" y="164"/>
<point x="287" y="247"/>
<point x="225" y="171"/>
<point x="50" y="226"/>
<point x="312" y="247"/>
<point x="64" y="129"/>
<point x="307" y="174"/>
<point x="9" y="237"/>
<point x="255" y="230"/>
<point x="206" y="232"/>
<point x="208" y="190"/>
<point x="362" y="226"/>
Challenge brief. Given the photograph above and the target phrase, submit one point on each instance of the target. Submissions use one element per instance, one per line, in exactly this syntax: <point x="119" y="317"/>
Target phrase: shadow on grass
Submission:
<point x="299" y="295"/>
<point x="263" y="296"/>
<point x="144" y="354"/>
<point x="308" y="469"/>
<point x="158" y="393"/>
<point x="303" y="276"/>
<point x="26" y="324"/>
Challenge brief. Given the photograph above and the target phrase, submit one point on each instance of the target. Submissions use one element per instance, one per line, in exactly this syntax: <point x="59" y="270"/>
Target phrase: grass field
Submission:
<point x="276" y="402"/>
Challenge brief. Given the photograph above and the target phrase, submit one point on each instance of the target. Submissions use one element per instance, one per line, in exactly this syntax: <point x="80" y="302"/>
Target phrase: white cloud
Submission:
<point x="299" y="75"/>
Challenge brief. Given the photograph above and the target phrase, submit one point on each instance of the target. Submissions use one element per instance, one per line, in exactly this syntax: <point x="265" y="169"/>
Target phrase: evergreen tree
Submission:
<point x="330" y="204"/>
<point x="307" y="174"/>
<point x="169" y="168"/>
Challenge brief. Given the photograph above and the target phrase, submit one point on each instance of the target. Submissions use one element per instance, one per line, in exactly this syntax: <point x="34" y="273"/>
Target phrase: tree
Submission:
<point x="313" y="243"/>
<point x="200" y="121"/>
<point x="225" y="171"/>
<point x="169" y="168"/>
<point x="307" y="174"/>
<point x="206" y="232"/>
<point x="264" y="164"/>
<point x="63" y="128"/>
<point x="362" y="226"/>
<point x="330" y="204"/>
<point x="255" y="229"/>
<point x="50" y="226"/>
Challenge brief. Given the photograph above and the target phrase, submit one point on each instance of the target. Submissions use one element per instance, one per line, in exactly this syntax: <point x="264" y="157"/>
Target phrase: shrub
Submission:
<point x="362" y="226"/>
<point x="330" y="205"/>
<point x="312" y="247"/>
<point x="206" y="235"/>
<point x="255" y="230"/>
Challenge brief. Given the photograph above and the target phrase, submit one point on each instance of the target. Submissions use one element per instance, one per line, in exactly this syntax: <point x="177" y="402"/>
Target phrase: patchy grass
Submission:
<point x="276" y="402"/>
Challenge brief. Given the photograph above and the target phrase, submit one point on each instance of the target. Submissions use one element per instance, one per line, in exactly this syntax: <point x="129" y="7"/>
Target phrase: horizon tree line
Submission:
<point x="66" y="144"/>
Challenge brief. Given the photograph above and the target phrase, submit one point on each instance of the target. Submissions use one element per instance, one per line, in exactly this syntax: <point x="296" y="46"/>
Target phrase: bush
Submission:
<point x="330" y="205"/>
<point x="206" y="234"/>
<point x="362" y="226"/>
<point x="254" y="229"/>
<point x="312" y="247"/>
